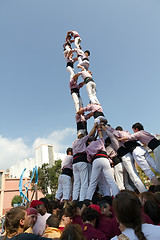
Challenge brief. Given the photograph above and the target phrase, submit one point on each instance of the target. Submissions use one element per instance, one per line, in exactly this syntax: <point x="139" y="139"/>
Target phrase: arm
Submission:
<point x="81" y="67"/>
<point x="100" y="133"/>
<point x="81" y="84"/>
<point x="81" y="111"/>
<point x="75" y="59"/>
<point x="90" y="72"/>
<point x="93" y="130"/>
<point x="89" y="115"/>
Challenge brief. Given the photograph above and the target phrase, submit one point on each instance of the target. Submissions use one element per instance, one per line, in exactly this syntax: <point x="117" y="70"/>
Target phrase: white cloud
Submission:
<point x="12" y="151"/>
<point x="15" y="150"/>
<point x="61" y="139"/>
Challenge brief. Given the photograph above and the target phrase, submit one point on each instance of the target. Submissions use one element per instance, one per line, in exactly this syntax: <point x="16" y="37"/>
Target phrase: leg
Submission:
<point x="77" y="42"/>
<point x="130" y="168"/>
<point x="71" y="71"/>
<point x="119" y="177"/>
<point x="104" y="189"/>
<point x="76" y="101"/>
<point x="76" y="184"/>
<point x="96" y="169"/>
<point x="66" y="184"/>
<point x="157" y="156"/>
<point x="83" y="172"/>
<point x="91" y="90"/>
<point x="139" y="156"/>
<point x="59" y="192"/>
<point x="107" y="171"/>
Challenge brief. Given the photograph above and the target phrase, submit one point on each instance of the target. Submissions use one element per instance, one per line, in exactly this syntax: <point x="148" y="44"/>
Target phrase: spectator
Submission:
<point x="128" y="213"/>
<point x="32" y="218"/>
<point x="16" y="222"/>
<point x="52" y="230"/>
<point x="72" y="232"/>
<point x="90" y="218"/>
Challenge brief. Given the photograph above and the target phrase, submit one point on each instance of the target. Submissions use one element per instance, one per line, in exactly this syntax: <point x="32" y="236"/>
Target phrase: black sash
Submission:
<point x="80" y="157"/>
<point x="116" y="160"/>
<point x="82" y="125"/>
<point x="67" y="171"/>
<point x="85" y="59"/>
<point x="74" y="90"/>
<point x="70" y="64"/>
<point x="88" y="79"/>
<point x="100" y="155"/>
<point x="122" y="151"/>
<point x="131" y="145"/>
<point x="97" y="114"/>
<point x="153" y="143"/>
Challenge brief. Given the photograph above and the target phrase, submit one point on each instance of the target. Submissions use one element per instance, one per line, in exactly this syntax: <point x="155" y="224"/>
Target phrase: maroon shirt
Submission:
<point x="105" y="225"/>
<point x="77" y="220"/>
<point x="91" y="233"/>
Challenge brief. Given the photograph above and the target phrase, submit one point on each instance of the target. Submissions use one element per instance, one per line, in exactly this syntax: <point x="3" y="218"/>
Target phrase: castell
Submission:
<point x="101" y="161"/>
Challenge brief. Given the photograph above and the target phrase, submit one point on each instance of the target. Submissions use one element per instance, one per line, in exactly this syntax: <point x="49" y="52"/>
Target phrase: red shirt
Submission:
<point x="91" y="233"/>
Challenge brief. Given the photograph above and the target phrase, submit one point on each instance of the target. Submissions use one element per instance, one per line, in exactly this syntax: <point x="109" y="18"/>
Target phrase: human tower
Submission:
<point x="109" y="160"/>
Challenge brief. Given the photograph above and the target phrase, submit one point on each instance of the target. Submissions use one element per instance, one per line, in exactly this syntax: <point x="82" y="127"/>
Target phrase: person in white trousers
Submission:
<point x="96" y="154"/>
<point x="65" y="179"/>
<point x="80" y="165"/>
<point x="127" y="159"/>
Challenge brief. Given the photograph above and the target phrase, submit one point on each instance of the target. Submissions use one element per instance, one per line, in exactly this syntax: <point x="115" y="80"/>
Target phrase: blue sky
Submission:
<point x="36" y="106"/>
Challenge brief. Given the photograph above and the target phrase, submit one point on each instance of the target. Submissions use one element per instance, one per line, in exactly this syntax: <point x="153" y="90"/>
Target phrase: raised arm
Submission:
<point x="93" y="130"/>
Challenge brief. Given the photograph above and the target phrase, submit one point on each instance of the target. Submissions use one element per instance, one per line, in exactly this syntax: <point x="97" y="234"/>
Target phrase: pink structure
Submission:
<point x="9" y="188"/>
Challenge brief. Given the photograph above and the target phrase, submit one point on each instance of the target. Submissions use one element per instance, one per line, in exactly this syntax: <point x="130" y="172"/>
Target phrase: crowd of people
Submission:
<point x="100" y="194"/>
<point x="126" y="216"/>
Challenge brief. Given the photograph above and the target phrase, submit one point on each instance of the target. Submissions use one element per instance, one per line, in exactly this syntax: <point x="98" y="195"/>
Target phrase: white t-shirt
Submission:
<point x="150" y="231"/>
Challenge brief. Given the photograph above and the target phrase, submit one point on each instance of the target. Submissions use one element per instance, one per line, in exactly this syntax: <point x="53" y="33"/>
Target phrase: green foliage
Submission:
<point x="16" y="200"/>
<point x="48" y="178"/>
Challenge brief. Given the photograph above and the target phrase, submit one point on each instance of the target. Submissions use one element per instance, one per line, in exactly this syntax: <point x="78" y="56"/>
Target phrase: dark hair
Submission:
<point x="87" y="202"/>
<point x="119" y="128"/>
<point x="108" y="199"/>
<point x="12" y="219"/>
<point x="128" y="212"/>
<point x="72" y="232"/>
<point x="103" y="203"/>
<point x="69" y="150"/>
<point x="53" y="204"/>
<point x="89" y="214"/>
<point x="138" y="125"/>
<point x="45" y="202"/>
<point x="53" y="221"/>
<point x="71" y="208"/>
<point x="87" y="51"/>
<point x="152" y="209"/>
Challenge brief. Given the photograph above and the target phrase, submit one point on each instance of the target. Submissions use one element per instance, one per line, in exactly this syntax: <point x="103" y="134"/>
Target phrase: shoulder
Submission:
<point x="30" y="236"/>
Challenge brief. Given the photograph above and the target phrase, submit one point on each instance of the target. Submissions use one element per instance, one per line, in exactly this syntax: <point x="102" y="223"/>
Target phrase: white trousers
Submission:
<point x="121" y="177"/>
<point x="129" y="165"/>
<point x="67" y="50"/>
<point x="80" y="185"/>
<point x="77" y="42"/>
<point x="64" y="187"/>
<point x="156" y="152"/>
<point x="84" y="63"/>
<point x="140" y="156"/>
<point x="103" y="186"/>
<point x="71" y="71"/>
<point x="101" y="165"/>
<point x="77" y="101"/>
<point x="91" y="90"/>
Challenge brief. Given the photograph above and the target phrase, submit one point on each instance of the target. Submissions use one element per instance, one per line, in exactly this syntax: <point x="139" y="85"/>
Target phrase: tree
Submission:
<point x="48" y="178"/>
<point x="16" y="200"/>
